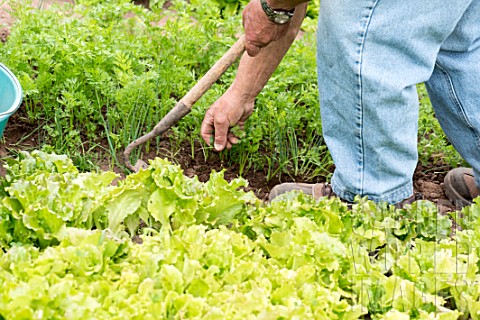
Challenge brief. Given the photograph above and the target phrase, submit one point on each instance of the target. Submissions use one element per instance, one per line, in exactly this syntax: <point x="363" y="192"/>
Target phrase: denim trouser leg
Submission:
<point x="454" y="87"/>
<point x="371" y="55"/>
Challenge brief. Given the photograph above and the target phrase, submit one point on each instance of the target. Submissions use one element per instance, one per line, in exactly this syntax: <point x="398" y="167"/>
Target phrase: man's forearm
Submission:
<point x="254" y="72"/>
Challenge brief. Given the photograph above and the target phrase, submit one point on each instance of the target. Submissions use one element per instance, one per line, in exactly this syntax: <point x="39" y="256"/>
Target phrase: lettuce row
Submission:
<point x="210" y="250"/>
<point x="44" y="194"/>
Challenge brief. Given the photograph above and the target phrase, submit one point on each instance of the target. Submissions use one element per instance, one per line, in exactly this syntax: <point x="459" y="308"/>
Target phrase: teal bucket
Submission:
<point x="10" y="96"/>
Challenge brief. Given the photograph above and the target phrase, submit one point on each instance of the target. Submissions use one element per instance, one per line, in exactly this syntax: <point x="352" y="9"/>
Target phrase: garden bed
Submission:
<point x="20" y="135"/>
<point x="186" y="238"/>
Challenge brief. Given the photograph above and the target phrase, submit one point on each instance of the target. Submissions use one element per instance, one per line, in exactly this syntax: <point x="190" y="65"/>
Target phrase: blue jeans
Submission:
<point x="371" y="55"/>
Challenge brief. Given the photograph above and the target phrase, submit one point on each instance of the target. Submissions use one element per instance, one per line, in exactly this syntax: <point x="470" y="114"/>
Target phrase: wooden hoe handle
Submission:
<point x="184" y="106"/>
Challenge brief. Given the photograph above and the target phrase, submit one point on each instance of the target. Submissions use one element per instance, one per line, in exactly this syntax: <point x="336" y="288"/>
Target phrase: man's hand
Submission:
<point x="259" y="30"/>
<point x="227" y="112"/>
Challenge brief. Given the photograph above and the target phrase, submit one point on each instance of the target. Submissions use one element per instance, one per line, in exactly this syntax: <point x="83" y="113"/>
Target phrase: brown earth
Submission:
<point x="20" y="134"/>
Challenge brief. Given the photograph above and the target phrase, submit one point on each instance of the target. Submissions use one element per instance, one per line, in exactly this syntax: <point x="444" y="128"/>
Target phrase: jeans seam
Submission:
<point x="360" y="106"/>
<point x="456" y="101"/>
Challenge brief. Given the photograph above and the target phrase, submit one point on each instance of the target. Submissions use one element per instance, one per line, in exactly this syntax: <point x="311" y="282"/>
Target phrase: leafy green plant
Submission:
<point x="433" y="144"/>
<point x="231" y="7"/>
<point x="213" y="250"/>
<point x="89" y="75"/>
<point x="43" y="194"/>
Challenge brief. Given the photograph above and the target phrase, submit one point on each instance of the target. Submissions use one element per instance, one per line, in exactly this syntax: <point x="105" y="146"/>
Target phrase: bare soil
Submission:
<point x="20" y="134"/>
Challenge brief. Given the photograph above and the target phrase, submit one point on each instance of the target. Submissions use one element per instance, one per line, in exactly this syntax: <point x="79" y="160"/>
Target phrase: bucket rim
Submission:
<point x="18" y="98"/>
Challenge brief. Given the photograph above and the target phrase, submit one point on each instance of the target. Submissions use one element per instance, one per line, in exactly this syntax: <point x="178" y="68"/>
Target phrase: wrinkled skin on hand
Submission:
<point x="228" y="111"/>
<point x="259" y="30"/>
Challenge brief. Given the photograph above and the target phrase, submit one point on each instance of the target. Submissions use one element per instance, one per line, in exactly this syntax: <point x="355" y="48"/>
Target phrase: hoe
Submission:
<point x="184" y="106"/>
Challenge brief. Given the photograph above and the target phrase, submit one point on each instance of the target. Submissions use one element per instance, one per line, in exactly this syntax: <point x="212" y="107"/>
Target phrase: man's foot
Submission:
<point x="318" y="190"/>
<point x="460" y="187"/>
